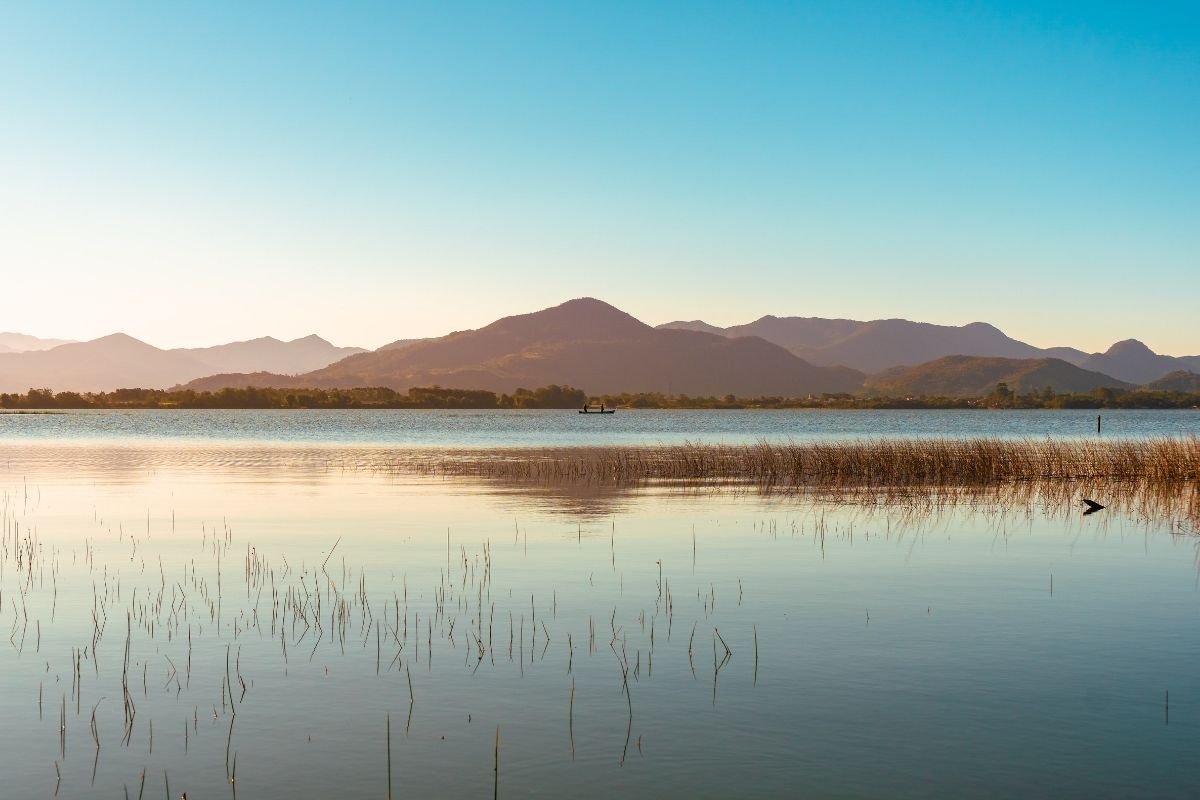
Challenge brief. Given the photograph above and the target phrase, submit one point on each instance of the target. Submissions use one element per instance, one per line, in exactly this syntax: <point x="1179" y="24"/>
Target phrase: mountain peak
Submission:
<point x="1129" y="347"/>
<point x="1132" y="361"/>
<point x="581" y="318"/>
<point x="585" y="302"/>
<point x="589" y="306"/>
<point x="119" y="340"/>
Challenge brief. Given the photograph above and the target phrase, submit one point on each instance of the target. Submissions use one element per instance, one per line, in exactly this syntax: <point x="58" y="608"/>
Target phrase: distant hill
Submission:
<point x="120" y="361"/>
<point x="21" y="343"/>
<point x="808" y="335"/>
<point x="110" y="362"/>
<point x="694" y="325"/>
<point x="1069" y="354"/>
<point x="271" y="355"/>
<point x="1179" y="381"/>
<point x="246" y="380"/>
<point x="399" y="344"/>
<point x="585" y="343"/>
<point x="1132" y="361"/>
<point x="885" y="343"/>
<point x="881" y="344"/>
<point x="973" y="376"/>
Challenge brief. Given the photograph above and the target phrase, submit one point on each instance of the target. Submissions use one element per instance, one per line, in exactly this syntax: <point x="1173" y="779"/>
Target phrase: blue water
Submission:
<point x="447" y="428"/>
<point x="976" y="652"/>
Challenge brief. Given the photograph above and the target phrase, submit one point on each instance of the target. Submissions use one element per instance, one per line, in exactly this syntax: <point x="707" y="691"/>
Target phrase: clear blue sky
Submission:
<point x="191" y="173"/>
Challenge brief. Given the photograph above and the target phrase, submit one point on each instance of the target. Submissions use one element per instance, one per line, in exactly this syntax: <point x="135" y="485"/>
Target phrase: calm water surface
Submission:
<point x="438" y="428"/>
<point x="978" y="652"/>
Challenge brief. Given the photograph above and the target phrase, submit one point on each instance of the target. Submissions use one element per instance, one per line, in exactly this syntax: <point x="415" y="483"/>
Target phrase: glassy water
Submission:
<point x="263" y="618"/>
<point x="440" y="428"/>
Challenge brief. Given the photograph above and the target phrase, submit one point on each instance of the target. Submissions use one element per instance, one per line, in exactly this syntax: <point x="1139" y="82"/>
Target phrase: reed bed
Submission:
<point x="861" y="463"/>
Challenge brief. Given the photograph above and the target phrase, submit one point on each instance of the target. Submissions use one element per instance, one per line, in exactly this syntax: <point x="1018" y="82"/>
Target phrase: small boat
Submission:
<point x="589" y="409"/>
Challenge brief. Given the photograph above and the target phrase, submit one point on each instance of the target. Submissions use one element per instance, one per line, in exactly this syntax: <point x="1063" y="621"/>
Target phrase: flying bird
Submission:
<point x="1092" y="506"/>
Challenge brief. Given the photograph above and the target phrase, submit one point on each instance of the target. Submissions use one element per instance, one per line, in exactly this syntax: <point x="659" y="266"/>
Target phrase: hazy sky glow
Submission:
<point x="194" y="173"/>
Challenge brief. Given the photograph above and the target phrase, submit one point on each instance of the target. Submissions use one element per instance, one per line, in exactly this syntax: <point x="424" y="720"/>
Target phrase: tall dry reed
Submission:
<point x="868" y="462"/>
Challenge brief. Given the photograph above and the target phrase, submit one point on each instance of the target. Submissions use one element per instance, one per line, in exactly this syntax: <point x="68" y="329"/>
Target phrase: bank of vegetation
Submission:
<point x="552" y="396"/>
<point x="1002" y="397"/>
<point x="567" y="397"/>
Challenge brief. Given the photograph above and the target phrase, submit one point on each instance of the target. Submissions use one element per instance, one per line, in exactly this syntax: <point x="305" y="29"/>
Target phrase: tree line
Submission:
<point x="552" y="396"/>
<point x="555" y="396"/>
<point x="1001" y="397"/>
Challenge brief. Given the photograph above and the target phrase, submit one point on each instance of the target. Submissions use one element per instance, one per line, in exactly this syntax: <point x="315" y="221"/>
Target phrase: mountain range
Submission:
<point x="592" y="345"/>
<point x="120" y="361"/>
<point x="584" y="343"/>
<point x="882" y="344"/>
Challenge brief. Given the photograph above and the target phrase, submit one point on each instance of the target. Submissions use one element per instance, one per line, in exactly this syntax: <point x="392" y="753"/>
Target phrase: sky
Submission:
<point x="203" y="172"/>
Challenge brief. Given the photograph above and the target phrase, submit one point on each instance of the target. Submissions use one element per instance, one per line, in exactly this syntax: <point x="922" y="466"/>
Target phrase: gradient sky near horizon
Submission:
<point x="202" y="172"/>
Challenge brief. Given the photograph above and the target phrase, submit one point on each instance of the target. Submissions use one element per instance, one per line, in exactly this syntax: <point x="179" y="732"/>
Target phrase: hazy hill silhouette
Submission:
<point x="22" y="342"/>
<point x="1132" y="361"/>
<point x="585" y="343"/>
<point x="110" y="362"/>
<point x="975" y="376"/>
<point x="271" y="355"/>
<point x="884" y="343"/>
<point x="121" y="361"/>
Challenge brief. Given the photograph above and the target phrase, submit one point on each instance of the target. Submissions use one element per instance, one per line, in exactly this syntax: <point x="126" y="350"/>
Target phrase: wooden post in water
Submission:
<point x="1097" y="423"/>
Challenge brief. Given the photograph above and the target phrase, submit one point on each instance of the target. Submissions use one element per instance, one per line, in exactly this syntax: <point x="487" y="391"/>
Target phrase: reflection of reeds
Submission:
<point x="1155" y="479"/>
<point x="1176" y="504"/>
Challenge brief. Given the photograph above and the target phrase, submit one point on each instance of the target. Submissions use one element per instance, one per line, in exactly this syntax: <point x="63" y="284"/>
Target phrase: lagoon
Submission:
<point x="240" y="613"/>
